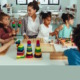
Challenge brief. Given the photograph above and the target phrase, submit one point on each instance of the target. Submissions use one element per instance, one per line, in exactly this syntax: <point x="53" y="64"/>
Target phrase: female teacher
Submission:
<point x="31" y="23"/>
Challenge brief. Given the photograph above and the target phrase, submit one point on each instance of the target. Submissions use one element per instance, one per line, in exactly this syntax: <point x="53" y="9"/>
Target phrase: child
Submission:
<point x="45" y="28"/>
<point x="64" y="31"/>
<point x="6" y="43"/>
<point x="5" y="30"/>
<point x="74" y="54"/>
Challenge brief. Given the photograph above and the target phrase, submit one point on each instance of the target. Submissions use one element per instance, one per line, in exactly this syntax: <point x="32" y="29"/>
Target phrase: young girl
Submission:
<point x="6" y="43"/>
<point x="45" y="28"/>
<point x="64" y="31"/>
<point x="5" y="30"/>
<point x="32" y="21"/>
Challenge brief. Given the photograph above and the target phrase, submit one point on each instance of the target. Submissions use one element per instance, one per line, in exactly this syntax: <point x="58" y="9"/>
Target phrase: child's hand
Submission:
<point x="10" y="34"/>
<point x="14" y="32"/>
<point x="26" y="37"/>
<point x="12" y="38"/>
<point x="51" y="34"/>
<point x="17" y="31"/>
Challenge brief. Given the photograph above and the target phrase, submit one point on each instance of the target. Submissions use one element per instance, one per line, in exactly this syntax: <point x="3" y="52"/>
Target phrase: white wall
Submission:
<point x="3" y="2"/>
<point x="73" y="2"/>
<point x="78" y="12"/>
<point x="63" y="3"/>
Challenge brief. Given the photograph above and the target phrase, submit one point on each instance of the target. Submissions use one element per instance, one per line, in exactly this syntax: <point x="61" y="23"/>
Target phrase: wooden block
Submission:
<point x="34" y="40"/>
<point x="57" y="56"/>
<point x="46" y="47"/>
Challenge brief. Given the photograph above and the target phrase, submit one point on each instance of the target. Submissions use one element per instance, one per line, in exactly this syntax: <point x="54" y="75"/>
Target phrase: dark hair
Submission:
<point x="34" y="4"/>
<point x="2" y="14"/>
<point x="2" y="26"/>
<point x="76" y="36"/>
<point x="45" y="15"/>
<point x="67" y="17"/>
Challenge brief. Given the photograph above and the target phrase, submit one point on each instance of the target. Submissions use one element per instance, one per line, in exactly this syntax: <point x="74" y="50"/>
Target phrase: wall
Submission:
<point x="63" y="3"/>
<point x="78" y="12"/>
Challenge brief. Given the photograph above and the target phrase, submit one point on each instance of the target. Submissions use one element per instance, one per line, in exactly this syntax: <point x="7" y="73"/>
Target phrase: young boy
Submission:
<point x="74" y="54"/>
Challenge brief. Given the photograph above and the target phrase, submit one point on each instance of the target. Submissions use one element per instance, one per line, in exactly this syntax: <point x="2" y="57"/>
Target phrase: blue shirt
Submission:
<point x="73" y="56"/>
<point x="65" y="32"/>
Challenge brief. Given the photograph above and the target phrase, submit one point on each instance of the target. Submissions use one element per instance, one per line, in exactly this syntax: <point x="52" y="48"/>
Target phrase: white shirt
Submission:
<point x="33" y="26"/>
<point x="44" y="31"/>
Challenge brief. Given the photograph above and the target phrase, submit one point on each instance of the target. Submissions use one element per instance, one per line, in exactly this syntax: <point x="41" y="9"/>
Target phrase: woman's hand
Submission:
<point x="26" y="37"/>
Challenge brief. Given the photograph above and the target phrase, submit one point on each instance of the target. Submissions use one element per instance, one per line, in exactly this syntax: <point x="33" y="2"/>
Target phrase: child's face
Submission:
<point x="47" y="21"/>
<point x="71" y="21"/>
<point x="31" y="11"/>
<point x="6" y="21"/>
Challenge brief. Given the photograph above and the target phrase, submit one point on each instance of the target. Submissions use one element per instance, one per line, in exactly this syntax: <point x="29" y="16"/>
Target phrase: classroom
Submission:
<point x="40" y="32"/>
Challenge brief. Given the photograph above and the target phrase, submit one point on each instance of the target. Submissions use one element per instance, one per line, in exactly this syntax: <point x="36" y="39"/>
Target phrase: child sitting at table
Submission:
<point x="73" y="54"/>
<point x="5" y="30"/>
<point x="6" y="43"/>
<point x="45" y="28"/>
<point x="64" y="30"/>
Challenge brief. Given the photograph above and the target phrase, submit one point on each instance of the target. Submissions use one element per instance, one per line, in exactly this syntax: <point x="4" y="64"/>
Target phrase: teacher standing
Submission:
<point x="31" y="23"/>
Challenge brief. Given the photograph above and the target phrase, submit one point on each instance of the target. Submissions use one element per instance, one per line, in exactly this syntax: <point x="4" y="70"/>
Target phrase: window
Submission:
<point x="43" y="2"/>
<point x="21" y="2"/>
<point x="53" y="2"/>
<point x="28" y="1"/>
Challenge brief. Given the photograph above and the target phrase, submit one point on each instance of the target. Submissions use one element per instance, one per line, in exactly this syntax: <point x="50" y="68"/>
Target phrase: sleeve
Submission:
<point x="0" y="33"/>
<point x="23" y="29"/>
<point x="9" y="29"/>
<point x="42" y="31"/>
<point x="67" y="52"/>
<point x="5" y="36"/>
<point x="51" y="28"/>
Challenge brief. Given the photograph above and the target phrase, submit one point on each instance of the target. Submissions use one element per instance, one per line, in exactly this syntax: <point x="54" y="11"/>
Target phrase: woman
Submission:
<point x="31" y="23"/>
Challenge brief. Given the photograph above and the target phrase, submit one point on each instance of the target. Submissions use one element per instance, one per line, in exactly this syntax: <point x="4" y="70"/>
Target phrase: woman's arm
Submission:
<point x="5" y="46"/>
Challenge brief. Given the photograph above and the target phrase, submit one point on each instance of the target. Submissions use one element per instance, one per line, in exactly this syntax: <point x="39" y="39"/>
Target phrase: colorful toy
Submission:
<point x="15" y="39"/>
<point x="20" y="52"/>
<point x="38" y="53"/>
<point x="13" y="24"/>
<point x="29" y="53"/>
<point x="18" y="43"/>
<point x="66" y="42"/>
<point x="19" y="24"/>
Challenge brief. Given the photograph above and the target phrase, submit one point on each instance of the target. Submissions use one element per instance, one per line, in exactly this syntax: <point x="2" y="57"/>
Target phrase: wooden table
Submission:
<point x="48" y="48"/>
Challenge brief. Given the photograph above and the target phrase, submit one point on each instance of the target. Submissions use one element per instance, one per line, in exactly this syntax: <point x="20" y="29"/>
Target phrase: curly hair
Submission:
<point x="76" y="36"/>
<point x="2" y="14"/>
<point x="45" y="15"/>
<point x="35" y="5"/>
